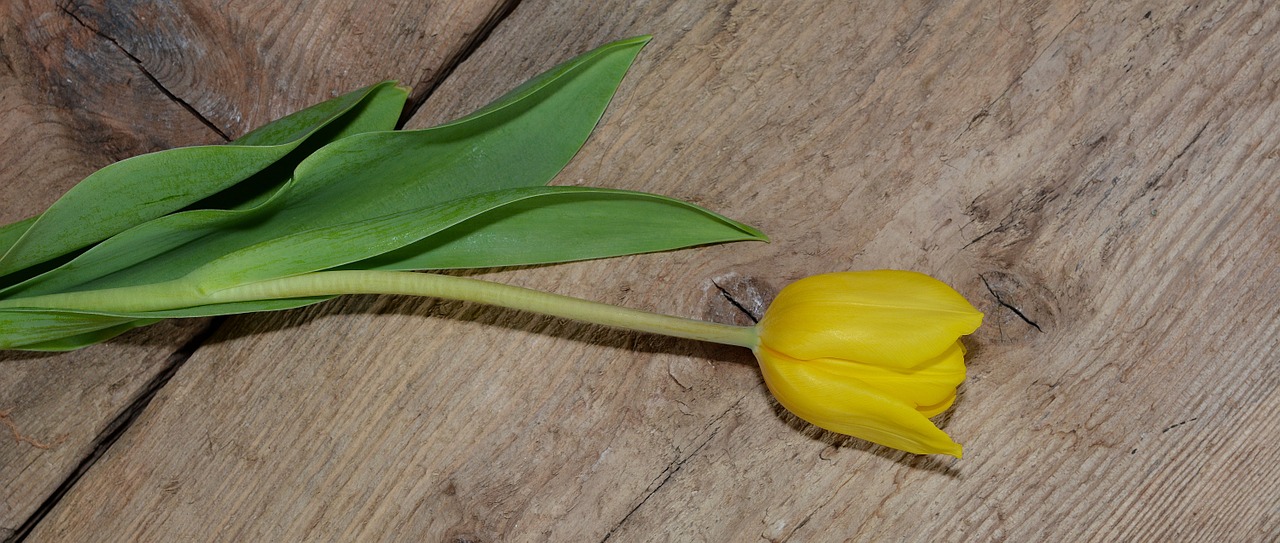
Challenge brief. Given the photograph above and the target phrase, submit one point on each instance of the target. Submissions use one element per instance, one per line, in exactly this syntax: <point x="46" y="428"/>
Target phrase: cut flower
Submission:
<point x="871" y="354"/>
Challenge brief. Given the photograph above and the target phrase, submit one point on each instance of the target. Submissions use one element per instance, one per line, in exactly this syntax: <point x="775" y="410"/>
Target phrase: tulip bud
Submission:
<point x="871" y="354"/>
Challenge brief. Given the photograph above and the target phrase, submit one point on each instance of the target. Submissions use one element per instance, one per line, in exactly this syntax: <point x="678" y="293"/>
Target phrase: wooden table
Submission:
<point x="1101" y="178"/>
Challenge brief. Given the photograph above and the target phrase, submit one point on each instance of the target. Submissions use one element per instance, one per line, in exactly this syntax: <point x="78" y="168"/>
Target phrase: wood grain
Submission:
<point x="242" y="64"/>
<point x="1098" y="177"/>
<point x="82" y="86"/>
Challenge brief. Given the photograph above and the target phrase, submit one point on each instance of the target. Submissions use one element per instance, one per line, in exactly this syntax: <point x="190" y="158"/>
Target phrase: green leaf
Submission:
<point x="145" y="187"/>
<point x="338" y="194"/>
<point x="405" y="239"/>
<point x="71" y="343"/>
<point x="327" y="248"/>
<point x="576" y="225"/>
<point x="34" y="327"/>
<point x="521" y="140"/>
<point x="138" y="245"/>
<point x="10" y="233"/>
<point x="373" y="108"/>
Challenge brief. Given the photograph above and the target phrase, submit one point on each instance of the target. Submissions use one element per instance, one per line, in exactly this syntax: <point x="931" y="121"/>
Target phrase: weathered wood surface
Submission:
<point x="1100" y="178"/>
<point x="82" y="86"/>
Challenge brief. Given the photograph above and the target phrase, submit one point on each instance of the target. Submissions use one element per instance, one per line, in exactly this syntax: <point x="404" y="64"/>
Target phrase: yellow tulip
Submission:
<point x="871" y="354"/>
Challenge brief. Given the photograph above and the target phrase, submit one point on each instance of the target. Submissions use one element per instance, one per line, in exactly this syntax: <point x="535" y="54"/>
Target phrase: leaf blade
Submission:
<point x="571" y="226"/>
<point x="522" y="141"/>
<point x="145" y="187"/>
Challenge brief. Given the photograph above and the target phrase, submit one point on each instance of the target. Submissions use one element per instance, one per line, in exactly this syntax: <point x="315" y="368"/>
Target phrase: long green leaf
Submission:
<point x="142" y="188"/>
<point x="10" y="233"/>
<point x="402" y="235"/>
<point x="70" y="343"/>
<point x="57" y="330"/>
<point x="140" y="244"/>
<point x="32" y="327"/>
<point x="373" y="108"/>
<point x="336" y="246"/>
<point x="570" y="226"/>
<point x="521" y="140"/>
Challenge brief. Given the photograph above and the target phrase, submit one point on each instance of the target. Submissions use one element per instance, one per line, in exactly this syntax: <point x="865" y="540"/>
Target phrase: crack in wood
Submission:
<point x="799" y="525"/>
<point x="147" y="73"/>
<point x="1009" y="306"/>
<point x="116" y="428"/>
<point x="724" y="292"/>
<point x="1001" y="228"/>
<point x="672" y="469"/>
<point x="814" y="510"/>
<point x="1155" y="180"/>
<point x="450" y="65"/>
<point x="1170" y="427"/>
<point x="662" y="480"/>
<point x="986" y="110"/>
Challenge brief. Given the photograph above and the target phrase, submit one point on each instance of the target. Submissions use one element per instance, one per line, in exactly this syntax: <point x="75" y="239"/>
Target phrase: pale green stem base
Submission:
<point x="179" y="294"/>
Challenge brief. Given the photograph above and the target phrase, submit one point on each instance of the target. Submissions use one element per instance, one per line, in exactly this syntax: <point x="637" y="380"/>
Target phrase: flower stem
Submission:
<point x="179" y="294"/>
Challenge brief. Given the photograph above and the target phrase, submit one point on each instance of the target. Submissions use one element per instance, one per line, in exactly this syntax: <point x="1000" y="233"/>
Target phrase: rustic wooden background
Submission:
<point x="1101" y="178"/>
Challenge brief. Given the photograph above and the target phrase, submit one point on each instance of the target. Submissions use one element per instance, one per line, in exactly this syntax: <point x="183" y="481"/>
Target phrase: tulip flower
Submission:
<point x="870" y="354"/>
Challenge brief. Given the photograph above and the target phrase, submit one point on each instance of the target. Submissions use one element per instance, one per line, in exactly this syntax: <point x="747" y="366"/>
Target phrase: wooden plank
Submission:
<point x="83" y="85"/>
<point x="1104" y="171"/>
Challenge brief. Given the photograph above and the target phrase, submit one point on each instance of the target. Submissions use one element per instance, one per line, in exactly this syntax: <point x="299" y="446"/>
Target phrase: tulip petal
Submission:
<point x="938" y="408"/>
<point x="885" y="317"/>
<point x="925" y="386"/>
<point x="850" y="406"/>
